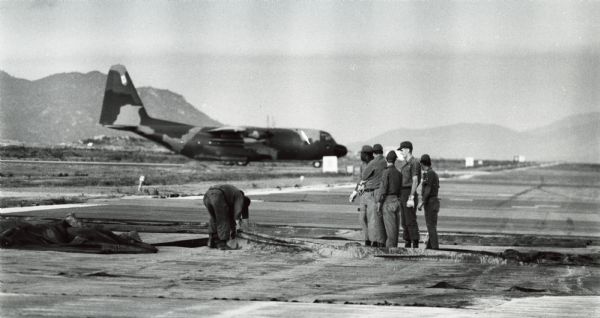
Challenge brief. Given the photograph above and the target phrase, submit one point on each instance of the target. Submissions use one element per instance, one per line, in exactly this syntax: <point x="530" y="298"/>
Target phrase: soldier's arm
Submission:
<point x="384" y="186"/>
<point x="238" y="205"/>
<point x="413" y="187"/>
<point x="426" y="190"/>
<point x="368" y="174"/>
<point x="415" y="179"/>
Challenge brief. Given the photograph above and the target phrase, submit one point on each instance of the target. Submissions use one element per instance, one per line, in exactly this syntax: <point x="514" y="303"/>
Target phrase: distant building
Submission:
<point x="518" y="158"/>
<point x="330" y="164"/>
<point x="469" y="162"/>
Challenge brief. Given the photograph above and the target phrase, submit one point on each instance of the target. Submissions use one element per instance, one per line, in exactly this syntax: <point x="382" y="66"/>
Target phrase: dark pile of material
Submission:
<point x="68" y="235"/>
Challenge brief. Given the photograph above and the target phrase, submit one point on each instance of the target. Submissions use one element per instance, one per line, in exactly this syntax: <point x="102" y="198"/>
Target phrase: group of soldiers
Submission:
<point x="389" y="196"/>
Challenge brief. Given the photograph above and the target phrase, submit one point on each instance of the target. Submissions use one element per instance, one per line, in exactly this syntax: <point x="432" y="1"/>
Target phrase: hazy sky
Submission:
<point x="354" y="68"/>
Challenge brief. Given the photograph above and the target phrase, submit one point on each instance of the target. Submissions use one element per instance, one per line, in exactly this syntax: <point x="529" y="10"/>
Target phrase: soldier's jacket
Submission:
<point x="372" y="174"/>
<point x="409" y="169"/>
<point x="431" y="184"/>
<point x="363" y="166"/>
<point x="391" y="182"/>
<point x="234" y="198"/>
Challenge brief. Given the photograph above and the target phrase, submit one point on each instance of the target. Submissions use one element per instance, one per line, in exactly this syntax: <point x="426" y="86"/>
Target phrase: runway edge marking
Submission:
<point x="47" y="207"/>
<point x="280" y="190"/>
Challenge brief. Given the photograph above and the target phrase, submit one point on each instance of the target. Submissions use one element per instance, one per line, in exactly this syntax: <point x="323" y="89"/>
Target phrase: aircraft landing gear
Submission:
<point x="317" y="164"/>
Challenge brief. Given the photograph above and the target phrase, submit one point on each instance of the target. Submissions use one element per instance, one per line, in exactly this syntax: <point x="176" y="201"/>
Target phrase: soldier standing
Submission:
<point x="430" y="184"/>
<point x="371" y="182"/>
<point x="227" y="206"/>
<point x="366" y="155"/>
<point x="411" y="175"/>
<point x="389" y="205"/>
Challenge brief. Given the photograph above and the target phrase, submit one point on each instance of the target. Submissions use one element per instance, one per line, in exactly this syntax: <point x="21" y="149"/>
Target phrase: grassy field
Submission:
<point x="73" y="170"/>
<point x="135" y="151"/>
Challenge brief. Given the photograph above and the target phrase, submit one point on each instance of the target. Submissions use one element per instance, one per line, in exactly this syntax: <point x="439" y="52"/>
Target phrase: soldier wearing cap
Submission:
<point x="430" y="186"/>
<point x="389" y="205"/>
<point x="366" y="155"/>
<point x="411" y="175"/>
<point x="370" y="184"/>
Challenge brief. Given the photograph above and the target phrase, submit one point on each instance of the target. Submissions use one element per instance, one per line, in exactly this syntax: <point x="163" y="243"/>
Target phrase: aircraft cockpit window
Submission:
<point x="325" y="136"/>
<point x="308" y="135"/>
<point x="304" y="137"/>
<point x="254" y="134"/>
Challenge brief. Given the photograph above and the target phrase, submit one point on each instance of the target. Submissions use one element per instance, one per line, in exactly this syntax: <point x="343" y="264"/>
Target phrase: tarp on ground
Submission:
<point x="62" y="236"/>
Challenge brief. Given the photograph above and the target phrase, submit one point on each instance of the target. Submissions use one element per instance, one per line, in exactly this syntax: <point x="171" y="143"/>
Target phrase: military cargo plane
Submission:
<point x="123" y="109"/>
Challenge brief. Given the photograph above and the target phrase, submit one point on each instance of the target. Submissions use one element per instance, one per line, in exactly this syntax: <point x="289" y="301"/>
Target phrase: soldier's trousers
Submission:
<point x="391" y="221"/>
<point x="375" y="220"/>
<point x="408" y="218"/>
<point x="362" y="216"/>
<point x="221" y="217"/>
<point x="432" y="207"/>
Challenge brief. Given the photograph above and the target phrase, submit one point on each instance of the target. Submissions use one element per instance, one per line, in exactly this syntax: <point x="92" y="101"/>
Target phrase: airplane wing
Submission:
<point x="225" y="129"/>
<point x="249" y="134"/>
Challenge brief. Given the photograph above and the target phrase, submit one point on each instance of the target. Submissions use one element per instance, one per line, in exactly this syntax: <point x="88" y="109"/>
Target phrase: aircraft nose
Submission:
<point x="340" y="151"/>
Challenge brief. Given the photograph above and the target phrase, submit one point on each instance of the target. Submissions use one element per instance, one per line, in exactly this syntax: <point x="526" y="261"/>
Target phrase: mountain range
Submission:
<point x="65" y="108"/>
<point x="575" y="138"/>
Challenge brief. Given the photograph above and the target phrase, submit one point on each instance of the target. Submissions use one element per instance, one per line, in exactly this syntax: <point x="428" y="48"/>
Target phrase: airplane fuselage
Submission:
<point x="123" y="109"/>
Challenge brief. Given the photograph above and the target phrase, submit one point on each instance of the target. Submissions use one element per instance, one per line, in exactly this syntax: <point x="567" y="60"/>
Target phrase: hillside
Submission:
<point x="575" y="138"/>
<point x="66" y="107"/>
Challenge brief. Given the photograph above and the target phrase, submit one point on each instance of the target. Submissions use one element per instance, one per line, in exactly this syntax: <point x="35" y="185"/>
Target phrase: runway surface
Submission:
<point x="465" y="208"/>
<point x="335" y="278"/>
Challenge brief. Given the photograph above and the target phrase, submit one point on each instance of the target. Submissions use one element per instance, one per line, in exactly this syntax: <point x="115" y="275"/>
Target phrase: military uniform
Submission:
<point x="431" y="203"/>
<point x="366" y="155"/>
<point x="362" y="210"/>
<point x="408" y="215"/>
<point x="225" y="204"/>
<point x="372" y="181"/>
<point x="391" y="182"/>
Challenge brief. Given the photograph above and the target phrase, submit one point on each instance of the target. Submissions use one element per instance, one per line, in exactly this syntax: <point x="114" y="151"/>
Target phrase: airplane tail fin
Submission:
<point x="122" y="107"/>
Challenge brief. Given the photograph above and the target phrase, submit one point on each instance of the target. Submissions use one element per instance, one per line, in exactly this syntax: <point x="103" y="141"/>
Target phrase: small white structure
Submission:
<point x="350" y="169"/>
<point x="469" y="162"/>
<point x="330" y="164"/>
<point x="142" y="178"/>
<point x="480" y="162"/>
<point x="519" y="158"/>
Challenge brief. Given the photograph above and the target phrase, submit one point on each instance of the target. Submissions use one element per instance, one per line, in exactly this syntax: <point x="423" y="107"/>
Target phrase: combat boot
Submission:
<point x="407" y="244"/>
<point x="212" y="241"/>
<point x="415" y="244"/>
<point x="367" y="243"/>
<point x="222" y="245"/>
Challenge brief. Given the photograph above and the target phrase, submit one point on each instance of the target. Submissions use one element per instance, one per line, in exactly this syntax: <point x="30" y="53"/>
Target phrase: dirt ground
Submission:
<point x="331" y="273"/>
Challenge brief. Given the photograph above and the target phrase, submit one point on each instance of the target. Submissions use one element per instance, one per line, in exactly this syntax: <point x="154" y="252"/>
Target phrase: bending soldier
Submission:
<point x="227" y="206"/>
